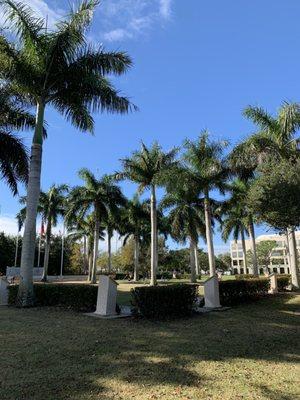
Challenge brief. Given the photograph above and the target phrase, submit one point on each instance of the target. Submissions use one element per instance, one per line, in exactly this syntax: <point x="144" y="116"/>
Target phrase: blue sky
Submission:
<point x="197" y="64"/>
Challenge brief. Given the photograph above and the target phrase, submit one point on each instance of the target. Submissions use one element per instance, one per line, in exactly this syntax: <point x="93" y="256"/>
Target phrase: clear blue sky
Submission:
<point x="197" y="64"/>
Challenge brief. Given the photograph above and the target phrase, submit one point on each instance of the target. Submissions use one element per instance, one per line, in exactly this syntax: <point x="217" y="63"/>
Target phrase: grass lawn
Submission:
<point x="249" y="352"/>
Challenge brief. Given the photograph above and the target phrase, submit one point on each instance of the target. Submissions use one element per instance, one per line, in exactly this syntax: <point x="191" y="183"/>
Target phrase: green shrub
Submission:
<point x="169" y="301"/>
<point x="164" y="275"/>
<point x="233" y="292"/>
<point x="283" y="281"/>
<point x="245" y="276"/>
<point x="78" y="297"/>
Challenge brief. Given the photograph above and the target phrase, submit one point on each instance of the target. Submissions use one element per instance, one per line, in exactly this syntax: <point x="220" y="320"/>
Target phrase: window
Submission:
<point x="234" y="262"/>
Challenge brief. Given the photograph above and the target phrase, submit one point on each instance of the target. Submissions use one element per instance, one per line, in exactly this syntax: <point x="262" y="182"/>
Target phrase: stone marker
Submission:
<point x="211" y="293"/>
<point x="107" y="296"/>
<point x="3" y="291"/>
<point x="273" y="284"/>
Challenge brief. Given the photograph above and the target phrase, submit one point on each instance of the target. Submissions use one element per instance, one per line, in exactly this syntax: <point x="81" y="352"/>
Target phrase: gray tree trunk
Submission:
<point x="193" y="261"/>
<point x="25" y="292"/>
<point x="209" y="236"/>
<point x="95" y="253"/>
<point x="244" y="250"/>
<point x="136" y="258"/>
<point x="85" y="255"/>
<point x="109" y="252"/>
<point x="294" y="268"/>
<point x="253" y="248"/>
<point x="47" y="250"/>
<point x="198" y="272"/>
<point x="154" y="256"/>
<point x="90" y="266"/>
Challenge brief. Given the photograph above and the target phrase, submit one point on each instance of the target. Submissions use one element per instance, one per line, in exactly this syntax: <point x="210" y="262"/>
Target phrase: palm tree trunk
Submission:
<point x="244" y="250"/>
<point x="47" y="250"/>
<point x="25" y="292"/>
<point x="154" y="255"/>
<point x="95" y="254"/>
<point x="198" y="272"/>
<point x="253" y="248"/>
<point x="85" y="255"/>
<point x="193" y="261"/>
<point x="294" y="268"/>
<point x="136" y="258"/>
<point x="209" y="236"/>
<point x="109" y="251"/>
<point x="90" y="266"/>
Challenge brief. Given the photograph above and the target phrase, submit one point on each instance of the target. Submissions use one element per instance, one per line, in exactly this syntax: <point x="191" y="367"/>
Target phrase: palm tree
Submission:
<point x="134" y="223"/>
<point x="276" y="139"/>
<point x="56" y="68"/>
<point x="149" y="168"/>
<point x="83" y="228"/>
<point x="186" y="215"/>
<point x="51" y="206"/>
<point x="233" y="223"/>
<point x="13" y="154"/>
<point x="205" y="161"/>
<point x="100" y="195"/>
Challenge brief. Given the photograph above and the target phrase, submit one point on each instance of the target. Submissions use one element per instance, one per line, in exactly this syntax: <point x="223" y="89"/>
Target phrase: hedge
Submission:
<point x="168" y="301"/>
<point x="78" y="297"/>
<point x="233" y="292"/>
<point x="283" y="281"/>
<point x="245" y="276"/>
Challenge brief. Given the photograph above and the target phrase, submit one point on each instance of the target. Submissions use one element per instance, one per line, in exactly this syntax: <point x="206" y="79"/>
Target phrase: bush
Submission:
<point x="233" y="292"/>
<point x="164" y="275"/>
<point x="78" y="297"/>
<point x="283" y="281"/>
<point x="169" y="301"/>
<point x="245" y="276"/>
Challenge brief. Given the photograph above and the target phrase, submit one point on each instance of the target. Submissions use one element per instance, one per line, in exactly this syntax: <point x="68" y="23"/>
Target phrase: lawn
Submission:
<point x="249" y="352"/>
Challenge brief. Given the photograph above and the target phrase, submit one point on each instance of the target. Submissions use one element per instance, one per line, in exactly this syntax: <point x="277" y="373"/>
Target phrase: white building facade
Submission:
<point x="279" y="260"/>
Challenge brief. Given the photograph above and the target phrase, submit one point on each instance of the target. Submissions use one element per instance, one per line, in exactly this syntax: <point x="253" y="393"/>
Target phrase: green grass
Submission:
<point x="250" y="352"/>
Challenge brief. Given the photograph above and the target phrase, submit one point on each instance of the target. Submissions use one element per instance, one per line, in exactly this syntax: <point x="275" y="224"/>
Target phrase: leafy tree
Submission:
<point x="101" y="195"/>
<point x="149" y="167"/>
<point x="223" y="261"/>
<point x="205" y="158"/>
<point x="51" y="206"/>
<point x="13" y="154"/>
<point x="264" y="253"/>
<point x="186" y="214"/>
<point x="275" y="198"/>
<point x="135" y="224"/>
<point x="56" y="68"/>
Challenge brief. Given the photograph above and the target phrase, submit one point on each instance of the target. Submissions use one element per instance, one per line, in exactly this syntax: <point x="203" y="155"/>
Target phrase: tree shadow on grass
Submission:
<point x="57" y="355"/>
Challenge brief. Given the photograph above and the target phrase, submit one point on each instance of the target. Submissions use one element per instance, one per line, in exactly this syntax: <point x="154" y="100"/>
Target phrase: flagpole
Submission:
<point x="17" y="245"/>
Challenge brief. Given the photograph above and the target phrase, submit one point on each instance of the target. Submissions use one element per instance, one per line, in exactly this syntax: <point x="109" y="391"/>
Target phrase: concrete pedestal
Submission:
<point x="211" y="293"/>
<point x="273" y="284"/>
<point x="107" y="296"/>
<point x="3" y="292"/>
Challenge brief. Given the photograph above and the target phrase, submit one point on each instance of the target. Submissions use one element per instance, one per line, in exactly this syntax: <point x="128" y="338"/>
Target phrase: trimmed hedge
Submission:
<point x="233" y="292"/>
<point x="245" y="276"/>
<point x="283" y="281"/>
<point x="78" y="297"/>
<point x="168" y="301"/>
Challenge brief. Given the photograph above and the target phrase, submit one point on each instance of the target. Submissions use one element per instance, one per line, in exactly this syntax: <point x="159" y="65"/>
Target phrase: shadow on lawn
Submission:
<point x="83" y="355"/>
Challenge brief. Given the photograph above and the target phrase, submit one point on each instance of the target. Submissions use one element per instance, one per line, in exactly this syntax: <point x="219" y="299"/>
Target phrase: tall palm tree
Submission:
<point x="13" y="154"/>
<point x="276" y="139"/>
<point x="83" y="228"/>
<point x="233" y="223"/>
<point x="186" y="216"/>
<point x="204" y="158"/>
<point x="51" y="206"/>
<point x="134" y="223"/>
<point x="56" y="68"/>
<point x="100" y="195"/>
<point x="149" y="168"/>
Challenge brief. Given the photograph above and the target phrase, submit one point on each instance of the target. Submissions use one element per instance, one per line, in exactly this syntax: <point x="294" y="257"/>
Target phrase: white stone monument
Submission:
<point x="273" y="284"/>
<point x="107" y="296"/>
<point x="3" y="291"/>
<point x="211" y="293"/>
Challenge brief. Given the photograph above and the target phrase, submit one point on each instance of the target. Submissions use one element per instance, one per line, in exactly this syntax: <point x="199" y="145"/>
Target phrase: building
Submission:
<point x="279" y="257"/>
